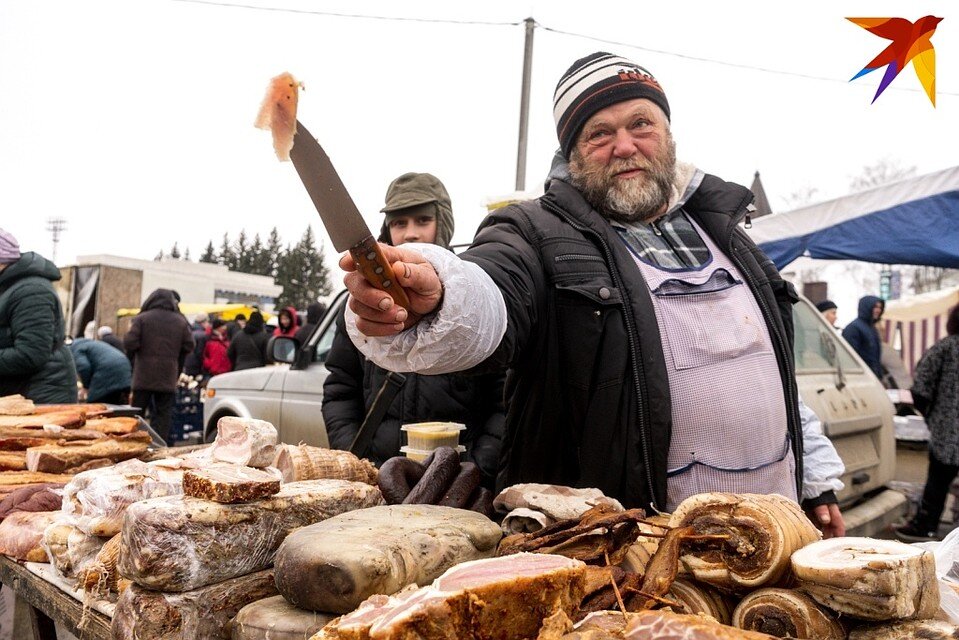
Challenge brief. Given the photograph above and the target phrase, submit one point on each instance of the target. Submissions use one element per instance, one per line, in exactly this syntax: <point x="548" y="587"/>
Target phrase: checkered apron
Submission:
<point x="729" y="414"/>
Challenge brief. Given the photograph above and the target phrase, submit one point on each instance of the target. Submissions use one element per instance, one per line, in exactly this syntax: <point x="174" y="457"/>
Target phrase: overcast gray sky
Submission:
<point x="133" y="120"/>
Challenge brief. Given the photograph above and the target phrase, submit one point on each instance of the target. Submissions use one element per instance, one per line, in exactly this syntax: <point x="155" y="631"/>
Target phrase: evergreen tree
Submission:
<point x="209" y="255"/>
<point x="242" y="252"/>
<point x="158" y="256"/>
<point x="274" y="251"/>
<point x="226" y="257"/>
<point x="260" y="263"/>
<point x="186" y="254"/>
<point x="175" y="252"/>
<point x="303" y="273"/>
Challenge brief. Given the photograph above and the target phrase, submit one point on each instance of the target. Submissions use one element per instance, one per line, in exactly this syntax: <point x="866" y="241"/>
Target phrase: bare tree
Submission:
<point x="800" y="197"/>
<point x="882" y="172"/>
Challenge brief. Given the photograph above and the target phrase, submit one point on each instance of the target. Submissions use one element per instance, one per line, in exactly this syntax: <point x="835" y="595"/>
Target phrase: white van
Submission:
<point x="857" y="416"/>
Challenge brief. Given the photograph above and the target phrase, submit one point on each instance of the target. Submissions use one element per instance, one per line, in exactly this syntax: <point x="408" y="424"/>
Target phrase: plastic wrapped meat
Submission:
<point x="336" y="564"/>
<point x="69" y="549"/>
<point x="97" y="499"/>
<point x="182" y="543"/>
<point x="36" y="497"/>
<point x="276" y="619"/>
<point x="245" y="441"/>
<point x="202" y="614"/>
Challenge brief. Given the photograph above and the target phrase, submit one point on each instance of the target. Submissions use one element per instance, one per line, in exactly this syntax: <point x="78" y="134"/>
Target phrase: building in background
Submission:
<point x="98" y="286"/>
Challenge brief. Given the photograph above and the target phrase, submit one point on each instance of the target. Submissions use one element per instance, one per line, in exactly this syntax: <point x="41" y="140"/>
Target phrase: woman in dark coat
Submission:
<point x="34" y="361"/>
<point x="158" y="341"/>
<point x="935" y="393"/>
<point x="248" y="347"/>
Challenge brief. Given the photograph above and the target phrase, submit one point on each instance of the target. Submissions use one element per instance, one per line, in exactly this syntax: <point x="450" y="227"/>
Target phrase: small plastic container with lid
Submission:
<point x="427" y="436"/>
<point x="419" y="455"/>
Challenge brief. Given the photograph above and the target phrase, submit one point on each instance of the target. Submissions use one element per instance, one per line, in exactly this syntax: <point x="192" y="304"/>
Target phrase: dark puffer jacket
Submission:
<point x="863" y="335"/>
<point x="34" y="361"/>
<point x="248" y="347"/>
<point x="102" y="368"/>
<point x="158" y="340"/>
<point x="588" y="395"/>
<point x="353" y="382"/>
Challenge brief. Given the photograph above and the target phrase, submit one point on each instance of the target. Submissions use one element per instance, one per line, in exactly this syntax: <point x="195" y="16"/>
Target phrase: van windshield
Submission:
<point x="819" y="347"/>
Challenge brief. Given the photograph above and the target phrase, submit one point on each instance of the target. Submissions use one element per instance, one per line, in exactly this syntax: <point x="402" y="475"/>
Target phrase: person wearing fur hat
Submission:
<point x="417" y="209"/>
<point x="34" y="360"/>
<point x="624" y="301"/>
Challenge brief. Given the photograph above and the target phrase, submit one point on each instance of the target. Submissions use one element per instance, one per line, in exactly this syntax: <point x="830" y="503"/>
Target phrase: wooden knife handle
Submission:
<point x="373" y="265"/>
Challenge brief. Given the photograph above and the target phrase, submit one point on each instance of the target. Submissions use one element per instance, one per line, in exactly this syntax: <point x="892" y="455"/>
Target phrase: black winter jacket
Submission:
<point x="353" y="382"/>
<point x="34" y="360"/>
<point x="158" y="340"/>
<point x="248" y="348"/>
<point x="588" y="395"/>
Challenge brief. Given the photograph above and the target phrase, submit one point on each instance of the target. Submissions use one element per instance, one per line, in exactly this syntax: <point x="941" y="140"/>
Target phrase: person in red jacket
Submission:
<point x="215" y="358"/>
<point x="288" y="322"/>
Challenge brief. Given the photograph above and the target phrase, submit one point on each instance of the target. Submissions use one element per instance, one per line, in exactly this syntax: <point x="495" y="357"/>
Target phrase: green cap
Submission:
<point x="412" y="189"/>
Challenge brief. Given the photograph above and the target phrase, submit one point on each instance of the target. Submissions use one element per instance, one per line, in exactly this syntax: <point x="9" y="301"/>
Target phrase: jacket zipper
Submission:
<point x="577" y="256"/>
<point x="778" y="339"/>
<point x="637" y="363"/>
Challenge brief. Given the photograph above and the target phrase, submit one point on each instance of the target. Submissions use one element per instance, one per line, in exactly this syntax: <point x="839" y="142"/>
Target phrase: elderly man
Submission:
<point x="650" y="340"/>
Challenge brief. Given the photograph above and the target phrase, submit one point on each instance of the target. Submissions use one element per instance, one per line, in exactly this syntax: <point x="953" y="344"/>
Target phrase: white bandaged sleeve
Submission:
<point x="465" y="330"/>
<point x="822" y="466"/>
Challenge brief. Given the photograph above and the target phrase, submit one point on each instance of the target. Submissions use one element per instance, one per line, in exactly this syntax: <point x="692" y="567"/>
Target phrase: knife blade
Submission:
<point x="346" y="227"/>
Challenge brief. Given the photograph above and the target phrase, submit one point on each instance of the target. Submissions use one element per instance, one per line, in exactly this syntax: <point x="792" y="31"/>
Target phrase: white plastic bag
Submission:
<point x="947" y="570"/>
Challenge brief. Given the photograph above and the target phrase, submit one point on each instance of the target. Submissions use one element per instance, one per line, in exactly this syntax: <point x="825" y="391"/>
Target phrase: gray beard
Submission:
<point x="634" y="200"/>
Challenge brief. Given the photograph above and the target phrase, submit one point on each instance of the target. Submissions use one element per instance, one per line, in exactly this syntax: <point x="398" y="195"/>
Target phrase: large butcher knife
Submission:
<point x="339" y="214"/>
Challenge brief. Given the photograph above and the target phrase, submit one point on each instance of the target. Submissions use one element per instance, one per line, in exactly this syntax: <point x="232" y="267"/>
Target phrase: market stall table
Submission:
<point x="50" y="605"/>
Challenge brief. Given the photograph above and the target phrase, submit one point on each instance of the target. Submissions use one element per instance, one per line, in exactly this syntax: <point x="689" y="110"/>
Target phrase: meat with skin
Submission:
<point x="494" y="598"/>
<point x="336" y="564"/>
<point x="230" y="484"/>
<point x="204" y="613"/>
<point x="21" y="534"/>
<point x="66" y="419"/>
<point x="276" y="619"/>
<point x="278" y="113"/>
<point x="113" y="426"/>
<point x="763" y="531"/>
<point x="304" y="462"/>
<point x="181" y="543"/>
<point x="908" y="630"/>
<point x="244" y="441"/>
<point x="15" y="405"/>
<point x="698" y="598"/>
<point x="665" y="625"/>
<point x="100" y="577"/>
<point x="88" y="409"/>
<point x="786" y="613"/>
<point x="61" y="457"/>
<point x="869" y="579"/>
<point x="36" y="497"/>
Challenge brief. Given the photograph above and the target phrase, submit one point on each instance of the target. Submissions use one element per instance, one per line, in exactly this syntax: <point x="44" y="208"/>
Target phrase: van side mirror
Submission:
<point x="282" y="349"/>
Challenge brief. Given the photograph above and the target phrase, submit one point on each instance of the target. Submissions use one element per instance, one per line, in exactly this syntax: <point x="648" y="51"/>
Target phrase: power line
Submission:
<point x="683" y="56"/>
<point x="719" y="62"/>
<point x="236" y="5"/>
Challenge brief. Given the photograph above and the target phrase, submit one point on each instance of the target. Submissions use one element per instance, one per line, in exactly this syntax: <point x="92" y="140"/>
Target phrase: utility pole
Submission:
<point x="56" y="226"/>
<point x="524" y="107"/>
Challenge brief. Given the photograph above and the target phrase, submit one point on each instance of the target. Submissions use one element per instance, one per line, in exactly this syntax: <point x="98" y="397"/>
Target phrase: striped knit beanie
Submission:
<point x="595" y="82"/>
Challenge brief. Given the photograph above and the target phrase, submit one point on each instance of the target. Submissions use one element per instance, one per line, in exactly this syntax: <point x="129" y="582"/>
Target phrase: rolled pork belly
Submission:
<point x="786" y="613"/>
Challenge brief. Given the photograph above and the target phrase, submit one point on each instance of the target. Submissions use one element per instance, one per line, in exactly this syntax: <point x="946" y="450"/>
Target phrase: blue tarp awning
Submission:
<point x="913" y="221"/>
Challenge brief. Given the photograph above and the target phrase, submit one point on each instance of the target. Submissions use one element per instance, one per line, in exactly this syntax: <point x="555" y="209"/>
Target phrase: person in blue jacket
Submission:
<point x="104" y="371"/>
<point x="863" y="335"/>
